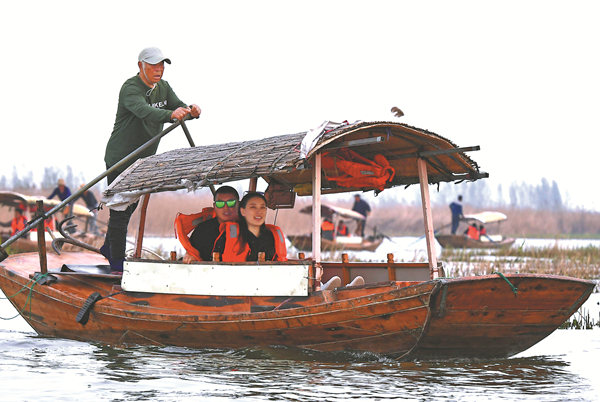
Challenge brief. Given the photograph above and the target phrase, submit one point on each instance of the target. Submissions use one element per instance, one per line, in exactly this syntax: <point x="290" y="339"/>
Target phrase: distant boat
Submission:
<point x="486" y="241"/>
<point x="349" y="242"/>
<point x="10" y="200"/>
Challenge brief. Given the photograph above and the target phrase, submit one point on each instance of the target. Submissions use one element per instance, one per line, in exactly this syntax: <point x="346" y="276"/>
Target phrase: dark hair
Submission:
<point x="242" y="221"/>
<point x="226" y="190"/>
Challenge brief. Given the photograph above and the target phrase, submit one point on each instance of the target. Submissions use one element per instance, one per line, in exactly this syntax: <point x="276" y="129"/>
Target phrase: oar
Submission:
<point x="434" y="232"/>
<point x="44" y="215"/>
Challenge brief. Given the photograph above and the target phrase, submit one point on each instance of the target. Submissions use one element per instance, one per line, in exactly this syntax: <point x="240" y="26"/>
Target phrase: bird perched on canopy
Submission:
<point x="397" y="112"/>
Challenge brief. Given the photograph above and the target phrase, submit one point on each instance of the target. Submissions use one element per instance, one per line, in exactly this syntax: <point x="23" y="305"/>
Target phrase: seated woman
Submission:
<point x="244" y="239"/>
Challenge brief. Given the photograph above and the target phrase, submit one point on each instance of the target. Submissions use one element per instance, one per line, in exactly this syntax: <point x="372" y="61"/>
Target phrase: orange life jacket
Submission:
<point x="18" y="224"/>
<point x="185" y="224"/>
<point x="48" y="223"/>
<point x="342" y="230"/>
<point x="327" y="226"/>
<point x="234" y="252"/>
<point x="473" y="233"/>
<point x="357" y="171"/>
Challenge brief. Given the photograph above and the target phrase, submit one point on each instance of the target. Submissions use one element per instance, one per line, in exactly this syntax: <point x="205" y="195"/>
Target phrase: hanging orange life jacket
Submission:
<point x="234" y="252"/>
<point x="18" y="224"/>
<point x="185" y="224"/>
<point x="357" y="171"/>
<point x="473" y="233"/>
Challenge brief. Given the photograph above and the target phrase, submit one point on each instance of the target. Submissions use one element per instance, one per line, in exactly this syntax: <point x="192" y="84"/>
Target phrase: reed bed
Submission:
<point x="581" y="262"/>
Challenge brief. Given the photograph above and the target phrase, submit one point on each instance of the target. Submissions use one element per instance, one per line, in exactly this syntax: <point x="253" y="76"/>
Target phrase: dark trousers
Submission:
<point x="360" y="227"/>
<point x="116" y="234"/>
<point x="455" y="221"/>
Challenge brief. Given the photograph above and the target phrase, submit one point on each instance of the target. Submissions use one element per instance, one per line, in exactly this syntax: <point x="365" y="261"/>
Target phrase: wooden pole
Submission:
<point x="140" y="233"/>
<point x="253" y="182"/>
<point x="316" y="209"/>
<point x="41" y="238"/>
<point x="427" y="217"/>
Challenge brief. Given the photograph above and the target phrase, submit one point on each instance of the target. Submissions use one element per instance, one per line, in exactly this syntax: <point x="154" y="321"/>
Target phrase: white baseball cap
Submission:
<point x="152" y="55"/>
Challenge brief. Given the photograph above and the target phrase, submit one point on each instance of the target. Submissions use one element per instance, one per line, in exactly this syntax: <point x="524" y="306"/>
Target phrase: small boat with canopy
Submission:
<point x="481" y="219"/>
<point x="10" y="200"/>
<point x="338" y="218"/>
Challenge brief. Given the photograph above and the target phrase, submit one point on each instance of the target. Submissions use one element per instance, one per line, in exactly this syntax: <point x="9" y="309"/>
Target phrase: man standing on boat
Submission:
<point x="456" y="209"/>
<point x="203" y="238"/>
<point x="364" y="209"/>
<point x="63" y="192"/>
<point x="146" y="102"/>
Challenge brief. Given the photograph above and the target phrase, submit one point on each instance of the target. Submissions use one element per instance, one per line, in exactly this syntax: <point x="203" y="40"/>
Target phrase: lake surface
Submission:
<point x="564" y="366"/>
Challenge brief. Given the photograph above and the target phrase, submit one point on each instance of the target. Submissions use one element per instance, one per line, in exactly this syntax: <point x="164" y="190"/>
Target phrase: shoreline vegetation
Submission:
<point x="391" y="219"/>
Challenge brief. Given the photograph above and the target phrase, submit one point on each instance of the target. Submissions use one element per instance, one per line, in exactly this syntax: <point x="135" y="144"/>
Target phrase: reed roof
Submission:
<point x="279" y="158"/>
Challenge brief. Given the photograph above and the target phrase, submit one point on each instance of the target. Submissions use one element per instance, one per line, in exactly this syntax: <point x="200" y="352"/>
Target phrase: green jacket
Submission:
<point x="140" y="116"/>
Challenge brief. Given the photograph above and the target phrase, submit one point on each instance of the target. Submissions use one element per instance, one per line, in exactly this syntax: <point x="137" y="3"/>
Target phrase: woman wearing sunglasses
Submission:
<point x="244" y="239"/>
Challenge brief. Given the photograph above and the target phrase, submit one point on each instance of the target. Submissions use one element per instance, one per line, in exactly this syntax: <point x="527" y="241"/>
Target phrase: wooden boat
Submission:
<point x="10" y="200"/>
<point x="351" y="242"/>
<point x="403" y="310"/>
<point x="487" y="241"/>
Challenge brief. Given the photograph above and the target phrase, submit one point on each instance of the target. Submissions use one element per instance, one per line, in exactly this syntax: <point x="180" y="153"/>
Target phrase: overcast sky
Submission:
<point x="519" y="78"/>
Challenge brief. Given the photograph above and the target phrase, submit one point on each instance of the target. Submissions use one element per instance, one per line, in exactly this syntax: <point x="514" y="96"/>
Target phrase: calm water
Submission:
<point x="564" y="366"/>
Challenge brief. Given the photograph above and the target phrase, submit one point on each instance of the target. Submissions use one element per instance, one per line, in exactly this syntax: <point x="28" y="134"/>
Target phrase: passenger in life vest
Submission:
<point x="244" y="239"/>
<point x="327" y="229"/>
<point x="342" y="229"/>
<point x="483" y="234"/>
<point x="472" y="232"/>
<point x="206" y="225"/>
<point x="18" y="223"/>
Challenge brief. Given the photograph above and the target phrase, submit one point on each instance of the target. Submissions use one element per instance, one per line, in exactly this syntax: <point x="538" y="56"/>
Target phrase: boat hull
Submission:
<point x="304" y="243"/>
<point x="484" y="317"/>
<point x="461" y="241"/>
<point x="475" y="317"/>
<point x="385" y="319"/>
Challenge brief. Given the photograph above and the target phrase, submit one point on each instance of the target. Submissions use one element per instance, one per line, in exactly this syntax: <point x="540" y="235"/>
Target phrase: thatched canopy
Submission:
<point x="280" y="159"/>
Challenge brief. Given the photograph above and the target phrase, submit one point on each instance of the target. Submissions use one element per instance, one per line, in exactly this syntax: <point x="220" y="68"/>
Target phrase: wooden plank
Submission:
<point x="140" y="234"/>
<point x="215" y="280"/>
<point x="316" y="208"/>
<point x="428" y="219"/>
<point x="41" y="238"/>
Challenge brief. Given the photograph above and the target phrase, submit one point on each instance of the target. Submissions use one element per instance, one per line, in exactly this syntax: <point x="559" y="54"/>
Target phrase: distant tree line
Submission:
<point x="24" y="181"/>
<point x="544" y="196"/>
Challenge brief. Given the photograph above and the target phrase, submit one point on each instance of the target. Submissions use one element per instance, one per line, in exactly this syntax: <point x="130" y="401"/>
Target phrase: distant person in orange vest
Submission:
<point x="472" y="232"/>
<point x="483" y="233"/>
<point x="342" y="229"/>
<point x="327" y="229"/>
<point x="456" y="209"/>
<point x="18" y="223"/>
<point x="244" y="239"/>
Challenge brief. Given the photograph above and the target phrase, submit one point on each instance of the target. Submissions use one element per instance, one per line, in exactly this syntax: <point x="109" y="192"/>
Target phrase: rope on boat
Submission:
<point x="513" y="287"/>
<point x="35" y="280"/>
